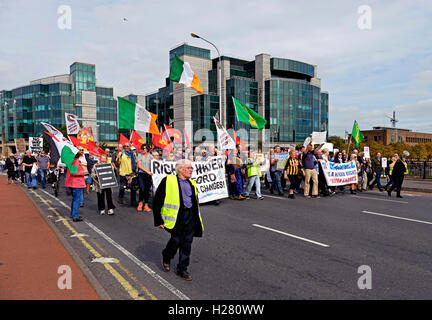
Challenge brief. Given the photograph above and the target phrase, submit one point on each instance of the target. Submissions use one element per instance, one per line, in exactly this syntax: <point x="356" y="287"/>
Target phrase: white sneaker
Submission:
<point x="102" y="212"/>
<point x="110" y="212"/>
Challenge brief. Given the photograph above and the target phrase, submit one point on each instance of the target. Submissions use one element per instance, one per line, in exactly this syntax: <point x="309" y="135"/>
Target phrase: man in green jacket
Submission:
<point x="377" y="171"/>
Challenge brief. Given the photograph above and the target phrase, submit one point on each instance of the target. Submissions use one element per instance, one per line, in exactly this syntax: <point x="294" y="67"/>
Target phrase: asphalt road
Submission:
<point x="275" y="249"/>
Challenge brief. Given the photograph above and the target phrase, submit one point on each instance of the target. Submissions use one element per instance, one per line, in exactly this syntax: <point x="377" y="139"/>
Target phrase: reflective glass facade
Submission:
<point x="204" y="108"/>
<point x="291" y="105"/>
<point x="24" y="108"/>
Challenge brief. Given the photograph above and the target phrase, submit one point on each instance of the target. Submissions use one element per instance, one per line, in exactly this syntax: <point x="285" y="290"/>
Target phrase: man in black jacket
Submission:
<point x="176" y="209"/>
<point x="398" y="173"/>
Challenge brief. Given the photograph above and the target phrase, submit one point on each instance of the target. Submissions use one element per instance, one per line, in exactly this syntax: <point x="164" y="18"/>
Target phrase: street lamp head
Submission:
<point x="194" y="35"/>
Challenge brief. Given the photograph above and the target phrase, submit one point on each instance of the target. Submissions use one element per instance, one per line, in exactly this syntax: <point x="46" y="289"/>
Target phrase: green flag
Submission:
<point x="246" y="114"/>
<point x="356" y="133"/>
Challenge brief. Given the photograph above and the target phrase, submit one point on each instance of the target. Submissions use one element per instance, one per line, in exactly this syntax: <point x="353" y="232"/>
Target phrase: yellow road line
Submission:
<point x="134" y="294"/>
<point x="130" y="274"/>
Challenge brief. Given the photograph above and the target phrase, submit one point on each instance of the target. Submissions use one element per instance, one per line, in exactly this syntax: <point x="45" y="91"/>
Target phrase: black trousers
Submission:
<point x="101" y="199"/>
<point x="398" y="180"/>
<point x="181" y="239"/>
<point x="145" y="184"/>
<point x="294" y="182"/>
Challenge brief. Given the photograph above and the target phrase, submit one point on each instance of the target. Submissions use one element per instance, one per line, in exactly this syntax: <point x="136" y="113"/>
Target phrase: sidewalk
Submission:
<point x="417" y="185"/>
<point x="31" y="253"/>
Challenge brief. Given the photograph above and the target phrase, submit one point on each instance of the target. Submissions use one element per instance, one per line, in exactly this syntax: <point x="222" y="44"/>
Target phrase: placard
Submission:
<point x="366" y="153"/>
<point x="209" y="176"/>
<point x="319" y="137"/>
<point x="282" y="157"/>
<point x="384" y="162"/>
<point x="339" y="174"/>
<point x="35" y="145"/>
<point x="106" y="175"/>
<point x="20" y="145"/>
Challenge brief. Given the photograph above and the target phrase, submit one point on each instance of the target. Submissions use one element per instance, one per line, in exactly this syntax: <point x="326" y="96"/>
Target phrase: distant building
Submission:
<point x="388" y="135"/>
<point x="287" y="93"/>
<point x="46" y="100"/>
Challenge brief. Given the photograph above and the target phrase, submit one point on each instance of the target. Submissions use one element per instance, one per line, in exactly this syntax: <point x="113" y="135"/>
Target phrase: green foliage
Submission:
<point x="421" y="151"/>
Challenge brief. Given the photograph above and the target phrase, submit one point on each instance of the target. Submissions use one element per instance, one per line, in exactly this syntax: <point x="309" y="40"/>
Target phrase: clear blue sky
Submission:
<point x="367" y="72"/>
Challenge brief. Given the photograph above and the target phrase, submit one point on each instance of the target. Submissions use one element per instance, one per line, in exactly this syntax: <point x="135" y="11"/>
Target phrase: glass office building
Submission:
<point x="46" y="100"/>
<point x="287" y="93"/>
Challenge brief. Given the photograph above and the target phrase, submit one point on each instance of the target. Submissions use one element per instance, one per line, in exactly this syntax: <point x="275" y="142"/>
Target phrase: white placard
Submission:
<point x="209" y="176"/>
<point x="319" y="137"/>
<point x="384" y="162"/>
<point x="339" y="174"/>
<point x="328" y="146"/>
<point x="366" y="153"/>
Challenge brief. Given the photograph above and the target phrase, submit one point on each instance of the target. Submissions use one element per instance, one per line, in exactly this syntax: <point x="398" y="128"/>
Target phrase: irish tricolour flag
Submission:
<point x="181" y="72"/>
<point x="135" y="117"/>
<point x="65" y="148"/>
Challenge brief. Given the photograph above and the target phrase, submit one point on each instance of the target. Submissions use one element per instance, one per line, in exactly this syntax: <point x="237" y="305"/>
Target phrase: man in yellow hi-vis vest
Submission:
<point x="176" y="209"/>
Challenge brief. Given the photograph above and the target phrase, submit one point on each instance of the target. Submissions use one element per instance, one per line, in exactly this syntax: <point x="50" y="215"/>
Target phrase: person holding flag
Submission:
<point x="76" y="183"/>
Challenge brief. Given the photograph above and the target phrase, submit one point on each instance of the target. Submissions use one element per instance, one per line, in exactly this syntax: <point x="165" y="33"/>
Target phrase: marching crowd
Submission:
<point x="246" y="171"/>
<point x="175" y="202"/>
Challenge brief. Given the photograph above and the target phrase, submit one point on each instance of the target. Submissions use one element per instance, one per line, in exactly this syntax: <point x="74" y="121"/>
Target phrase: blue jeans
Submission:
<point x="77" y="195"/>
<point x="42" y="175"/>
<point x="277" y="182"/>
<point x="254" y="180"/>
<point x="30" y="179"/>
<point x="377" y="181"/>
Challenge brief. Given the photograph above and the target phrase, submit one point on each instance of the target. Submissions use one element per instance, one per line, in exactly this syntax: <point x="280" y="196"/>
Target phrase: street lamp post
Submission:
<point x="194" y="35"/>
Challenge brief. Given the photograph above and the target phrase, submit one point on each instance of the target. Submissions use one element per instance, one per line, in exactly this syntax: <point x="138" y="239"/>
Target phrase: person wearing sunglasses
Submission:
<point x="176" y="209"/>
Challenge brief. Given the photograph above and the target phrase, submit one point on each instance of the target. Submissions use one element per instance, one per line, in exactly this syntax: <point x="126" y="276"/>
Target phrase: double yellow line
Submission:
<point x="133" y="293"/>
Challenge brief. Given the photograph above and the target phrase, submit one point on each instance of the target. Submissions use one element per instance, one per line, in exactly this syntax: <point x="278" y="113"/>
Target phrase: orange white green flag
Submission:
<point x="181" y="72"/>
<point x="133" y="116"/>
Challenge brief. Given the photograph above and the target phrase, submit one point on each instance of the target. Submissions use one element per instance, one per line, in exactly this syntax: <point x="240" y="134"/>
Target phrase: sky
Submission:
<point x="370" y="62"/>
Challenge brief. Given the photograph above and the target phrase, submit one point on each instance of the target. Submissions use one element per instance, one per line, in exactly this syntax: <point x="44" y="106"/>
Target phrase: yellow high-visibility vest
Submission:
<point x="171" y="204"/>
<point x="253" y="168"/>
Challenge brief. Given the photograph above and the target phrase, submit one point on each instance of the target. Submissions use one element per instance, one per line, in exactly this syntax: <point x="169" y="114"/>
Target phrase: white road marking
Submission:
<point x="142" y="265"/>
<point x="76" y="235"/>
<point x="293" y="236"/>
<point x="394" y="217"/>
<point x="105" y="260"/>
<point x="371" y="198"/>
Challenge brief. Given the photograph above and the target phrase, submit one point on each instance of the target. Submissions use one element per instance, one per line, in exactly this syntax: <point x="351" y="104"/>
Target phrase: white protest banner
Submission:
<point x="366" y="153"/>
<point x="209" y="176"/>
<point x="35" y="145"/>
<point x="225" y="140"/>
<point x="20" y="145"/>
<point x="282" y="157"/>
<point x="335" y="150"/>
<point x="319" y="137"/>
<point x="306" y="142"/>
<point x="384" y="162"/>
<point x="328" y="146"/>
<point x="339" y="174"/>
<point x="72" y="125"/>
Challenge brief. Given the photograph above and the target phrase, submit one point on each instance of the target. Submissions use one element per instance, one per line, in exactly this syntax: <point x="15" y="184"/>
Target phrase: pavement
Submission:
<point x="275" y="249"/>
<point x="34" y="263"/>
<point x="417" y="185"/>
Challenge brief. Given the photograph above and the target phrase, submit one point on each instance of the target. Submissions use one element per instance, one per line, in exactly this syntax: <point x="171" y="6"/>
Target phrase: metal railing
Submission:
<point x="420" y="169"/>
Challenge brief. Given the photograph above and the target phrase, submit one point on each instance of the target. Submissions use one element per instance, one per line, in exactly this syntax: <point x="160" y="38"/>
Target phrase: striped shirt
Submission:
<point x="292" y="166"/>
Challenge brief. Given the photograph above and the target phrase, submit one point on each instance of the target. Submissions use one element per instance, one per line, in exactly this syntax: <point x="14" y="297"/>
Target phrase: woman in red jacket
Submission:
<point x="76" y="183"/>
